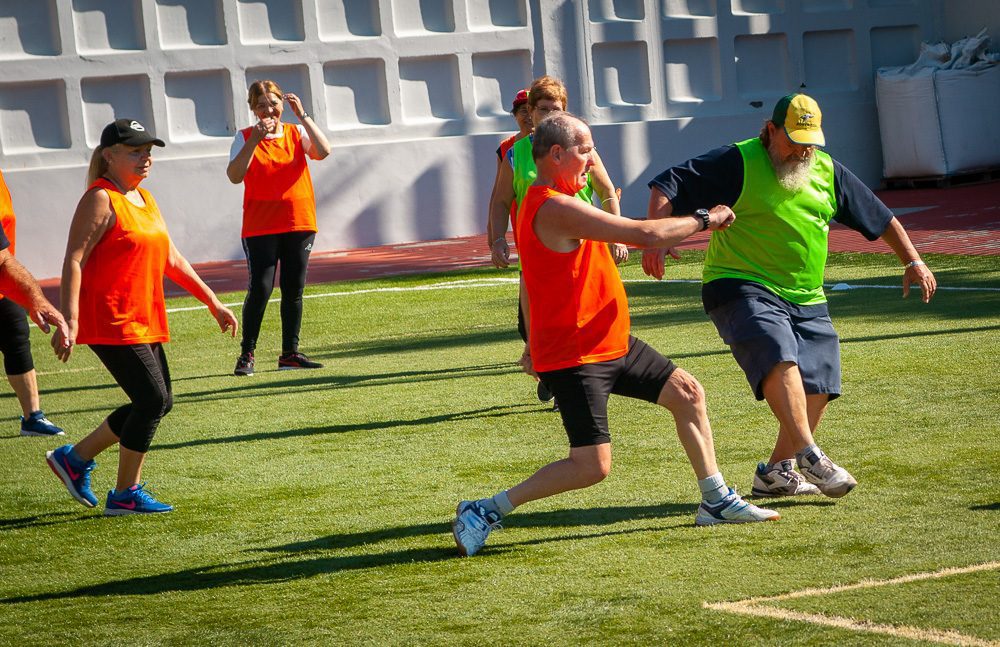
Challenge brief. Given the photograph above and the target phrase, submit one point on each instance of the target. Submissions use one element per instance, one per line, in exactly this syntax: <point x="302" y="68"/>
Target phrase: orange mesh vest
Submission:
<point x="277" y="189"/>
<point x="7" y="219"/>
<point x="579" y="311"/>
<point x="121" y="289"/>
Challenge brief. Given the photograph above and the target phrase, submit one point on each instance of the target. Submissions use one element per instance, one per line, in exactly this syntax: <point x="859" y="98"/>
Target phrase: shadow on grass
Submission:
<point x="497" y="411"/>
<point x="276" y="570"/>
<point x="990" y="507"/>
<point x="39" y="521"/>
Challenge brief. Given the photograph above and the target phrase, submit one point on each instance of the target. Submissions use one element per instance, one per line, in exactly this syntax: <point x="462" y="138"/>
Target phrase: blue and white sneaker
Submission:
<point x="471" y="527"/>
<point x="74" y="474"/>
<point x="732" y="509"/>
<point x="135" y="500"/>
<point x="38" y="425"/>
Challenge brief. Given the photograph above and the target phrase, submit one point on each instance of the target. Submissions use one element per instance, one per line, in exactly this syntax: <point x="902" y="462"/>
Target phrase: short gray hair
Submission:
<point x="560" y="128"/>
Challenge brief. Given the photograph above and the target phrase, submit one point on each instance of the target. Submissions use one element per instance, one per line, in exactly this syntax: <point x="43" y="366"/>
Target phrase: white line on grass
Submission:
<point x="755" y="607"/>
<point x="484" y="282"/>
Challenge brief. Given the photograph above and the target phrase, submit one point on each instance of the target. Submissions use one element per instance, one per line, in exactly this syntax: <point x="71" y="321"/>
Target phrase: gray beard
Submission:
<point x="793" y="175"/>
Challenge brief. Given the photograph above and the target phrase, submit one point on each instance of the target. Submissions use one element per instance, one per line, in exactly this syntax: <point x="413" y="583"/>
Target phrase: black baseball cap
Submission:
<point x="129" y="132"/>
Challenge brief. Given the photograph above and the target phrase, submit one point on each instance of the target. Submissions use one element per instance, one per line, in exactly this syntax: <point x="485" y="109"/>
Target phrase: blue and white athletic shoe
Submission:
<point x="74" y="474"/>
<point x="732" y="509"/>
<point x="38" y="425"/>
<point x="831" y="479"/>
<point x="135" y="500"/>
<point x="471" y="527"/>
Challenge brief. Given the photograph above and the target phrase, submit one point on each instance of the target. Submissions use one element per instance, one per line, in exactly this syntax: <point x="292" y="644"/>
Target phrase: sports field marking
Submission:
<point x="755" y="607"/>
<point x="488" y="282"/>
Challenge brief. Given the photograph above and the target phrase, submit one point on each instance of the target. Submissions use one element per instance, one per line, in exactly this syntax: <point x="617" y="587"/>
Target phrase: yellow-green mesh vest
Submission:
<point x="779" y="238"/>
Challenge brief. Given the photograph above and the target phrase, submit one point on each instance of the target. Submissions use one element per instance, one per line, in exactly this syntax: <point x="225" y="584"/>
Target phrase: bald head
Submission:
<point x="559" y="128"/>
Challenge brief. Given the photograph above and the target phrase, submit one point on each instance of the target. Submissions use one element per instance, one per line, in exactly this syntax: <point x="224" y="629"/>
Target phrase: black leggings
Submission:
<point x="264" y="253"/>
<point x="15" y="338"/>
<point x="141" y="370"/>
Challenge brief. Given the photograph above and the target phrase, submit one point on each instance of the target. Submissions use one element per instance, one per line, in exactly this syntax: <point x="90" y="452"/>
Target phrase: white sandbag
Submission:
<point x="967" y="101"/>
<point x="909" y="123"/>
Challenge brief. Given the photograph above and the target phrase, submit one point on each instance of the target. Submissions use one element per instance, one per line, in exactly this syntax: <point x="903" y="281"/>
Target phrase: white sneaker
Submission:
<point x="831" y="479"/>
<point x="732" y="509"/>
<point x="781" y="480"/>
<point x="471" y="527"/>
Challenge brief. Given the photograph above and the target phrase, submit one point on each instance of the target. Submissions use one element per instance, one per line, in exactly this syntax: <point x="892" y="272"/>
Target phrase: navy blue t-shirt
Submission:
<point x="4" y="243"/>
<point x="717" y="178"/>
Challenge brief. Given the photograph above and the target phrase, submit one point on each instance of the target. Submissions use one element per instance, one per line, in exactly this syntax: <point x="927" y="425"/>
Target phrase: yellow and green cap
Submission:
<point x="801" y="118"/>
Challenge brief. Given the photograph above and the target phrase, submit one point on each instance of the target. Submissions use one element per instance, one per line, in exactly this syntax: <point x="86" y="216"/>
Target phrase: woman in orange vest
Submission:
<point x="15" y="342"/>
<point x="112" y="296"/>
<point x="279" y="215"/>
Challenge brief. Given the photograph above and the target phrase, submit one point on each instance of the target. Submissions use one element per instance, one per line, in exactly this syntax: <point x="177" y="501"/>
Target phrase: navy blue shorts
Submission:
<point x="761" y="332"/>
<point x="582" y="391"/>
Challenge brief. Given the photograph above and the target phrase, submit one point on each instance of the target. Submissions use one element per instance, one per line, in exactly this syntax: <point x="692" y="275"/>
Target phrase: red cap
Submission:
<point x="520" y="99"/>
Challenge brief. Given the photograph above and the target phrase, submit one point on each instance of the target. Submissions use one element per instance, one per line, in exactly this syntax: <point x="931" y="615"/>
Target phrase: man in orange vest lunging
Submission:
<point x="580" y="337"/>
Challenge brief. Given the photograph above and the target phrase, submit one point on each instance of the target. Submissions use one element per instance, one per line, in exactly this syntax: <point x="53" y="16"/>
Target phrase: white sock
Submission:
<point x="713" y="488"/>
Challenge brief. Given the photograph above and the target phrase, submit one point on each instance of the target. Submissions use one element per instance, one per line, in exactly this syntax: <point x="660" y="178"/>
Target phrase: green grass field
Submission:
<point x="314" y="507"/>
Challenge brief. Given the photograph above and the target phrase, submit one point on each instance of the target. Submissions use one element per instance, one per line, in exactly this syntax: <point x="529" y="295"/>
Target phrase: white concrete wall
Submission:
<point x="413" y="94"/>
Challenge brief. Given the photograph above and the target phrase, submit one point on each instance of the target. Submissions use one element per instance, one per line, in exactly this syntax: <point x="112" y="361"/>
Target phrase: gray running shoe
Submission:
<point x="732" y="509"/>
<point x="781" y="480"/>
<point x="831" y="479"/>
<point x="471" y="527"/>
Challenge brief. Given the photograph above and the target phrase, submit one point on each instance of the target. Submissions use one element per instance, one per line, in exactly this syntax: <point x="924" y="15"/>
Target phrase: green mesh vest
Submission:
<point x="779" y="238"/>
<point x="525" y="172"/>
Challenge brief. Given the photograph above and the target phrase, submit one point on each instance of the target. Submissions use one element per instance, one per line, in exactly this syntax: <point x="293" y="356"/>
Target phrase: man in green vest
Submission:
<point x="762" y="284"/>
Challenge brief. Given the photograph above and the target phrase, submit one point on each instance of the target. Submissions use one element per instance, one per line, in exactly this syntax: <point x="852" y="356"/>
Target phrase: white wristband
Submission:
<point x="913" y="264"/>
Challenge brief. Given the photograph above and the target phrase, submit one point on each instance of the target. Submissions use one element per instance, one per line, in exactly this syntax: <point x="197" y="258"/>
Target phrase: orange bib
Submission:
<point x="121" y="290"/>
<point x="277" y="188"/>
<point x="579" y="311"/>
<point x="7" y="218"/>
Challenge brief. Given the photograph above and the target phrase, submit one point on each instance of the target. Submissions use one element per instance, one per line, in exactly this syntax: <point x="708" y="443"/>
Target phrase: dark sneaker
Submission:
<point x="135" y="500"/>
<point x="543" y="393"/>
<point x="244" y="364"/>
<point x="74" y="474"/>
<point x="289" y="361"/>
<point x="38" y="425"/>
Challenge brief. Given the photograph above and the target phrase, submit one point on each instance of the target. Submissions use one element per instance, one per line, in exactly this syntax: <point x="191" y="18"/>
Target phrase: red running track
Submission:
<point x="958" y="220"/>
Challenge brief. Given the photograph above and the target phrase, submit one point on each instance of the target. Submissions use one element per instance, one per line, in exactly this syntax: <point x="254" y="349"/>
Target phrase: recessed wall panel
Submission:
<point x="190" y="23"/>
<point x="689" y="8"/>
<point x="199" y="104"/>
<point x="429" y="88"/>
<point x="893" y="46"/>
<point x="356" y="94"/>
<point x="487" y="15"/>
<point x="264" y="21"/>
<point x="496" y="78"/>
<point x="692" y="70"/>
<point x="748" y="7"/>
<point x="347" y="19"/>
<point x="830" y="61"/>
<point x="420" y="16"/>
<point x="621" y="74"/>
<point x="28" y="29"/>
<point x="33" y="117"/>
<point x="762" y="65"/>
<point x="118" y="97"/>
<point x="102" y="26"/>
<point x="608" y="10"/>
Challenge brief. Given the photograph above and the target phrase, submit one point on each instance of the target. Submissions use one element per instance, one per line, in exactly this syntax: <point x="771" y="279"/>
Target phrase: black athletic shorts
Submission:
<point x="15" y="338"/>
<point x="582" y="391"/>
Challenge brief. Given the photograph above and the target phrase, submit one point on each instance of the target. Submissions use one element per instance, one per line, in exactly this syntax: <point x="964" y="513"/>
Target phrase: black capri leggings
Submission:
<point x="15" y="338"/>
<point x="141" y="370"/>
<point x="264" y="253"/>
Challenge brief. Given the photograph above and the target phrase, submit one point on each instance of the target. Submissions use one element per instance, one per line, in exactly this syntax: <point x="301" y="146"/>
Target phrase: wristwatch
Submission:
<point x="705" y="219"/>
